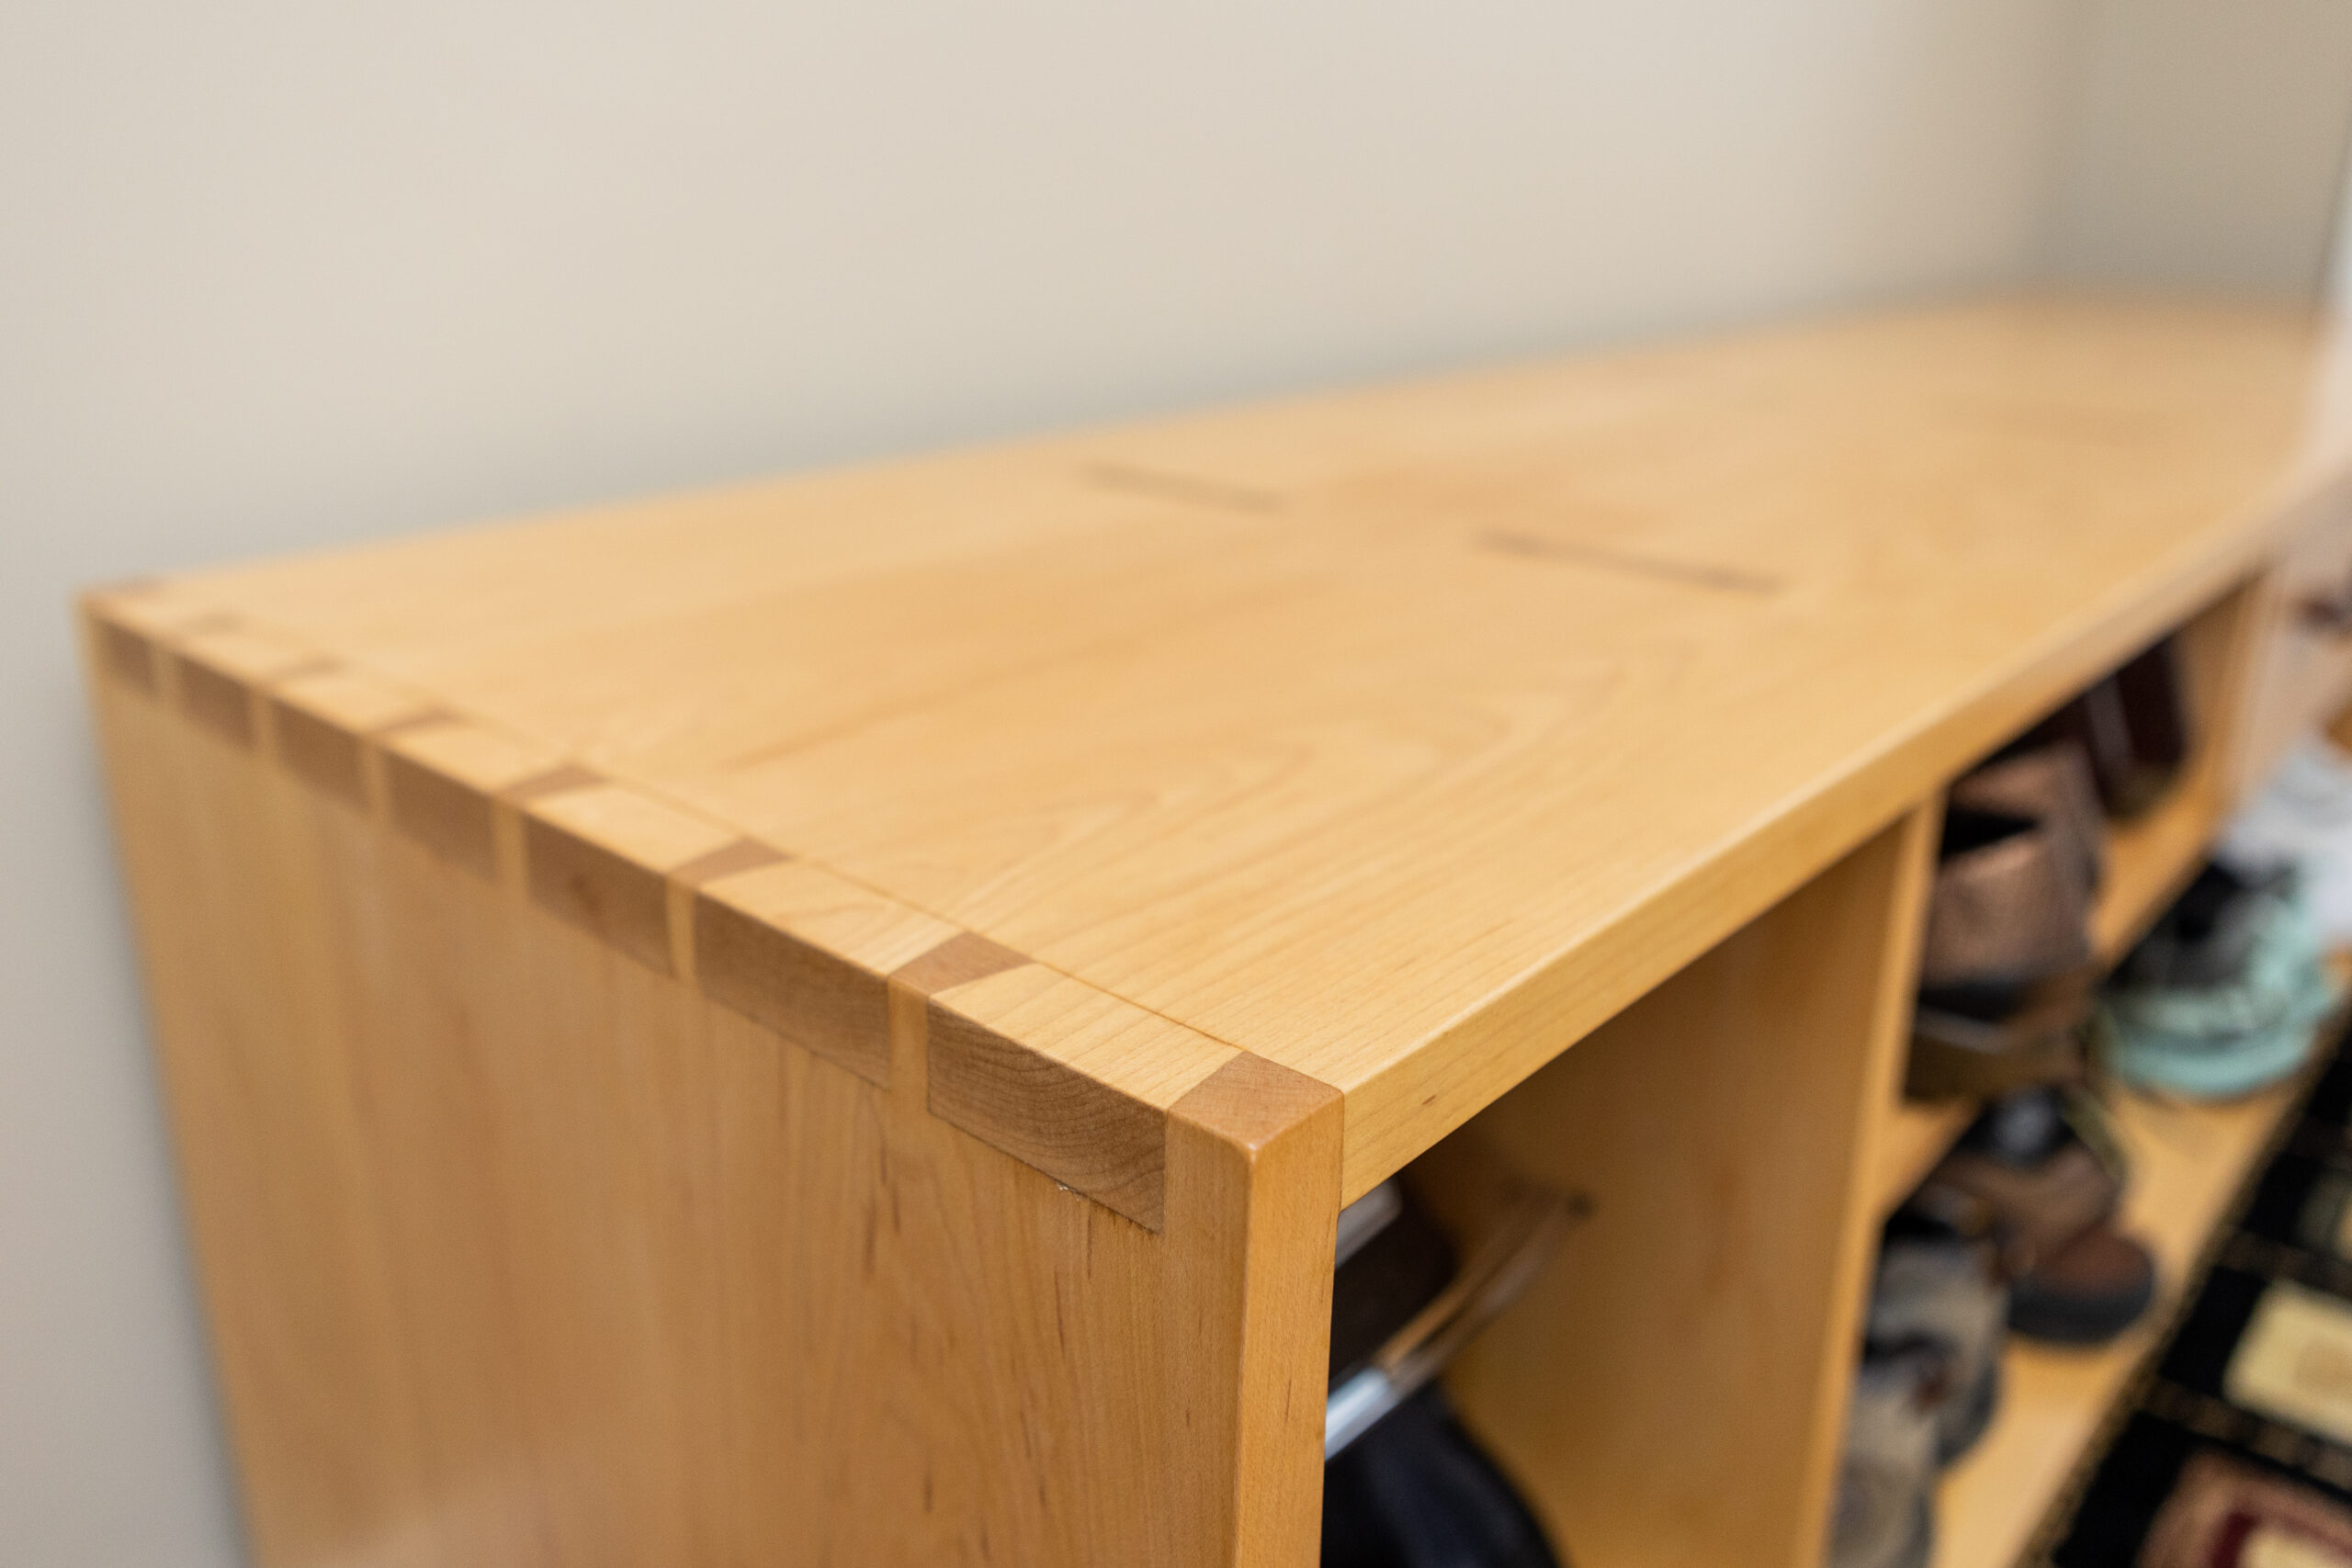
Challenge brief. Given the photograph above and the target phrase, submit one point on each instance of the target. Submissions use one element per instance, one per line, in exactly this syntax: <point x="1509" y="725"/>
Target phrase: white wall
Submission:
<point x="2207" y="144"/>
<point x="274" y="275"/>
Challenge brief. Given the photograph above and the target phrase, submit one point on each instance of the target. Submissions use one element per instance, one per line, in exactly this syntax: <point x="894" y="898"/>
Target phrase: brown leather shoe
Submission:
<point x="2026" y="1178"/>
<point x="1955" y="1056"/>
<point x="2011" y="906"/>
<point x="2133" y="726"/>
<point x="2048" y="781"/>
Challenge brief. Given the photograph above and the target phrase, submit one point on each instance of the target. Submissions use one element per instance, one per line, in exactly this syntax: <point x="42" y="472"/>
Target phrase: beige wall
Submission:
<point x="273" y="275"/>
<point x="2206" y="145"/>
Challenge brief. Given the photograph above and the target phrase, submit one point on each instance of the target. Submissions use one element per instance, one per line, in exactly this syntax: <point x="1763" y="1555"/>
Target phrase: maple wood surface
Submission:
<point x="518" y="1253"/>
<point x="1399" y="737"/>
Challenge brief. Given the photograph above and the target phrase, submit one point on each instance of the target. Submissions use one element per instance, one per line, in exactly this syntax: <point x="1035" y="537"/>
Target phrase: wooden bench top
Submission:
<point x="1399" y="736"/>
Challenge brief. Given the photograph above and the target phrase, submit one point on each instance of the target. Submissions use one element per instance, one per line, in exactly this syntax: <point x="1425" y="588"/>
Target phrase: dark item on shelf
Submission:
<point x="2304" y="1200"/>
<point x="1882" y="1517"/>
<point x="2111" y="1519"/>
<point x="2132" y="725"/>
<point x="2225" y="994"/>
<point x="2047" y="780"/>
<point x="1425" y="1331"/>
<point x="1386" y="1278"/>
<point x="2224" y="1513"/>
<point x="1415" y="1492"/>
<point x="2038" y="1177"/>
<point x="1956" y="1056"/>
<point x="2085" y="1291"/>
<point x="2207" y="938"/>
<point x="2010" y="909"/>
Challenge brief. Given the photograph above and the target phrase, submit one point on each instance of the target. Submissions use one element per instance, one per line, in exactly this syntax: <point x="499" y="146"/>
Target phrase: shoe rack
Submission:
<point x="1649" y="1338"/>
<point x="832" y="1022"/>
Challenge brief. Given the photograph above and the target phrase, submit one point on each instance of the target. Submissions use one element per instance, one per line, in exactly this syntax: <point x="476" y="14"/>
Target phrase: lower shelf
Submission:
<point x="1915" y="1140"/>
<point x="2188" y="1162"/>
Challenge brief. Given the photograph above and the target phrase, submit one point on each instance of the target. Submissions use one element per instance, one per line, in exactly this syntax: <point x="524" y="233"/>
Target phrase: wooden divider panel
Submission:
<point x="1671" y="1392"/>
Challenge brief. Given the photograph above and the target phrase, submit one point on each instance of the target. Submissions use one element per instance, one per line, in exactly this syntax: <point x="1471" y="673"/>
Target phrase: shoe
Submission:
<point x="1415" y="1492"/>
<point x="2224" y="995"/>
<point x="1402" y="1307"/>
<point x="2134" y="729"/>
<point x="1936" y="1292"/>
<point x="2224" y="1513"/>
<point x="2085" y="1291"/>
<point x="1404" y="1486"/>
<point x="2038" y="1177"/>
<point x="2303" y="819"/>
<point x="1882" y="1517"/>
<point x="2010" y="909"/>
<point x="2048" y="781"/>
<point x="2041" y="1040"/>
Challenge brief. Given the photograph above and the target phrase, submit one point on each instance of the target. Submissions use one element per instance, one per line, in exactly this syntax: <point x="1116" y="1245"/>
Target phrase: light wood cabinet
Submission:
<point x="831" y="1021"/>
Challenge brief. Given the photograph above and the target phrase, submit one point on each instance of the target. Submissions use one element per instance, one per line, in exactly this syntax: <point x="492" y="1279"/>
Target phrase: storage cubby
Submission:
<point x="1672" y="1388"/>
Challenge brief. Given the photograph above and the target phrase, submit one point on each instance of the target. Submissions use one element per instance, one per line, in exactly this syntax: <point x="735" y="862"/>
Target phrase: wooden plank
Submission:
<point x="517" y="1251"/>
<point x="1502" y="697"/>
<point x="1917" y="1133"/>
<point x="1076" y="1083"/>
<point x="804" y="953"/>
<point x="1253" y="1208"/>
<point x="598" y="856"/>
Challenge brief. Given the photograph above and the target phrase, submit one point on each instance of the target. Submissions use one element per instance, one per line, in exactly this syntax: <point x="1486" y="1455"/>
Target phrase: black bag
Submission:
<point x="1415" y="1492"/>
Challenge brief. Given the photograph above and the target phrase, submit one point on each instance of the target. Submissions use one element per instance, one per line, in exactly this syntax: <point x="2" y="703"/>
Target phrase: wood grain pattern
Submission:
<point x="1073" y="1081"/>
<point x="1253" y="1155"/>
<point x="960" y="960"/>
<point x="518" y="1253"/>
<point x="1329" y="778"/>
<point x="441" y="781"/>
<point x="597" y="857"/>
<point x="748" y="958"/>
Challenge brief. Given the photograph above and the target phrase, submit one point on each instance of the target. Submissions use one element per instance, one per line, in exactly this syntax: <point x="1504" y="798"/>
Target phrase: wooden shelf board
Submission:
<point x="2149" y="861"/>
<point x="2188" y="1162"/>
<point x="1916" y="1138"/>
<point x="1401" y="736"/>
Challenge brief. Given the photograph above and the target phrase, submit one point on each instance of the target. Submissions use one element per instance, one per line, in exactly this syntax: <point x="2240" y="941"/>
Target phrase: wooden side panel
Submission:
<point x="519" y="1250"/>
<point x="317" y="1371"/>
<point x="1671" y="1392"/>
<point x="1253" y="1191"/>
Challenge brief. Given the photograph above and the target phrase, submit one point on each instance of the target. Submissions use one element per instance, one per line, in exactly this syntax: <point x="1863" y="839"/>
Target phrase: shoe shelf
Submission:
<point x="2149" y="860"/>
<point x="836" y="1019"/>
<point x="2189" y="1162"/>
<point x="1916" y="1138"/>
